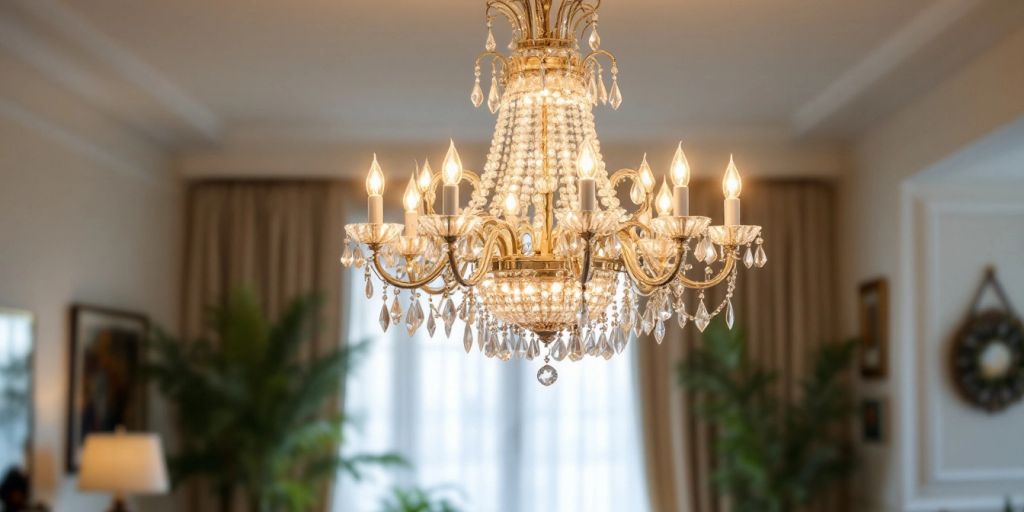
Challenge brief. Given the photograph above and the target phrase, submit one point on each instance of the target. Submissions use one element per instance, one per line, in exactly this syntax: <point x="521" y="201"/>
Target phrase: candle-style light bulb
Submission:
<point x="452" y="167"/>
<point x="426" y="176"/>
<point x="411" y="199"/>
<point x="680" y="168"/>
<point x="732" y="185"/>
<point x="664" y="200"/>
<point x="511" y="205"/>
<point x="647" y="176"/>
<point x="375" y="179"/>
<point x="586" y="162"/>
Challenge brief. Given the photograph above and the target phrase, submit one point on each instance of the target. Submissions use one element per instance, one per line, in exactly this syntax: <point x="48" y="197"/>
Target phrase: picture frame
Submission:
<point x="106" y="388"/>
<point x="873" y="417"/>
<point x="874" y="329"/>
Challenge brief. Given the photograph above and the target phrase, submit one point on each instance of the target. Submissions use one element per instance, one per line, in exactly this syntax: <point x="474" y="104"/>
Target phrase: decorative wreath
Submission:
<point x="988" y="353"/>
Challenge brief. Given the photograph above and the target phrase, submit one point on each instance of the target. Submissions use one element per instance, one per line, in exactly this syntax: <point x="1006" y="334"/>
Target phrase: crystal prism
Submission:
<point x="369" y="288"/>
<point x="477" y="96"/>
<point x="711" y="253"/>
<point x="415" y="317"/>
<point x="615" y="98"/>
<point x="701" y="250"/>
<point x="730" y="315"/>
<point x="659" y="331"/>
<point x="595" y="39"/>
<point x="681" y="317"/>
<point x="467" y="339"/>
<point x="396" y="311"/>
<point x="620" y="341"/>
<point x="490" y="348"/>
<point x="702" y="318"/>
<point x="760" y="258"/>
<point x="346" y="256"/>
<point x="505" y="349"/>
<point x="490" y="45"/>
<point x="448" y="315"/>
<point x="602" y="91"/>
<point x="576" y="350"/>
<point x="606" y="349"/>
<point x="533" y="350"/>
<point x="557" y="350"/>
<point x="385" y="317"/>
<point x="493" y="98"/>
<point x="360" y="260"/>
<point x="590" y="346"/>
<point x="648" y="322"/>
<point x="592" y="88"/>
<point x="748" y="258"/>
<point x="431" y="324"/>
<point x="547" y="375"/>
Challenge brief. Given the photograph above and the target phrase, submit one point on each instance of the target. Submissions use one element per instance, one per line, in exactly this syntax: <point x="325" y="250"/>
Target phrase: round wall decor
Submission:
<point x="988" y="353"/>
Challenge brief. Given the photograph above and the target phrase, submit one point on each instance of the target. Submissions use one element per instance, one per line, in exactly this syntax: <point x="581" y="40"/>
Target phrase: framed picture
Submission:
<point x="106" y="388"/>
<point x="874" y="328"/>
<point x="872" y="414"/>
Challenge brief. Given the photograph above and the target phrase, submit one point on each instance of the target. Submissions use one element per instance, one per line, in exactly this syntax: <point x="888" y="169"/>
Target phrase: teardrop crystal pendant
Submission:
<point x="659" y="331"/>
<point x="590" y="346"/>
<point x="384" y="318"/>
<point x="576" y="350"/>
<point x="607" y="351"/>
<point x="477" y="96"/>
<point x="491" y="44"/>
<point x="415" y="317"/>
<point x="547" y="375"/>
<point x="748" y="258"/>
<point x="602" y="91"/>
<point x="711" y="255"/>
<point x="701" y="251"/>
<point x="396" y="311"/>
<point x="448" y="316"/>
<point x="346" y="256"/>
<point x="702" y="318"/>
<point x="467" y="339"/>
<point x="681" y="317"/>
<point x="592" y="88"/>
<point x="493" y="98"/>
<point x="595" y="39"/>
<point x="369" y="288"/>
<point x="620" y="341"/>
<point x="760" y="258"/>
<point x="431" y="324"/>
<point x="360" y="260"/>
<point x="557" y="351"/>
<point x="533" y="349"/>
<point x="615" y="97"/>
<point x="730" y="315"/>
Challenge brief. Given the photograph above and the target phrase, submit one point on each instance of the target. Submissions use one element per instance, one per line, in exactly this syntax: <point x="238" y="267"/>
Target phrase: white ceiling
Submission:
<point x="401" y="70"/>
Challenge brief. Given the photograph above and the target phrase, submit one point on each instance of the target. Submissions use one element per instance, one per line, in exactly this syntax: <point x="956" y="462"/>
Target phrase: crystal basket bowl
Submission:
<point x="542" y="294"/>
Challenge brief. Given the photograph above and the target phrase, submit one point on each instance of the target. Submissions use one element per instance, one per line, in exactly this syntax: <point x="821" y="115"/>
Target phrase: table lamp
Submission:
<point x="123" y="464"/>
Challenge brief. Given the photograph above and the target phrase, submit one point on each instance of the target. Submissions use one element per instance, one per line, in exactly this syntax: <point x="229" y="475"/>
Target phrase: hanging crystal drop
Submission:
<point x="490" y="347"/>
<point x="615" y="99"/>
<point x="346" y="256"/>
<point x="748" y="258"/>
<point x="448" y="316"/>
<point x="384" y="318"/>
<point x="665" y="308"/>
<point x="637" y="194"/>
<point x="592" y="88"/>
<point x="467" y="338"/>
<point x="626" y="323"/>
<point x="493" y="98"/>
<point x="576" y="350"/>
<point x="369" y="287"/>
<point x="701" y="251"/>
<point x="519" y="349"/>
<point x="477" y="96"/>
<point x="760" y="258"/>
<point x="415" y="317"/>
<point x="730" y="315"/>
<point x="648" y="322"/>
<point x="607" y="351"/>
<point x="533" y="350"/>
<point x="681" y="316"/>
<point x="557" y="350"/>
<point x="659" y="331"/>
<point x="431" y="324"/>
<point x="491" y="44"/>
<point x="396" y="311"/>
<point x="711" y="254"/>
<point x="602" y="91"/>
<point x="620" y="341"/>
<point x="702" y="318"/>
<point x="505" y="349"/>
<point x="595" y="39"/>
<point x="360" y="260"/>
<point x="547" y="375"/>
<point x="590" y="346"/>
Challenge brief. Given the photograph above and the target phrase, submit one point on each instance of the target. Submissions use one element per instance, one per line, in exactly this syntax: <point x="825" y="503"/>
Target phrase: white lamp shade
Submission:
<point x="123" y="463"/>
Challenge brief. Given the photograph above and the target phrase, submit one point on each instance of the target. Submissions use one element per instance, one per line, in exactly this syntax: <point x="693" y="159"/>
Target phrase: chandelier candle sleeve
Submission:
<point x="411" y="201"/>
<point x="586" y="167"/>
<point x="452" y="174"/>
<point x="375" y="191"/>
<point x="732" y="185"/>
<point x="681" y="180"/>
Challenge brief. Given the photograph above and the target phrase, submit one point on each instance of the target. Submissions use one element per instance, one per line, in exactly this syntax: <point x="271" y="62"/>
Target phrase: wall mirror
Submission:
<point x="17" y="337"/>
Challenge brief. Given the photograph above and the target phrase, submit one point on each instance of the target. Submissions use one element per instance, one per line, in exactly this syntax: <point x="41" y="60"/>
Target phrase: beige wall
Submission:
<point x="877" y="240"/>
<point x="77" y="227"/>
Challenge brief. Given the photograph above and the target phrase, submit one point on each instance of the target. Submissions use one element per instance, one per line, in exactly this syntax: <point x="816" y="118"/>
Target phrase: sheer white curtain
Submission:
<point x="487" y="428"/>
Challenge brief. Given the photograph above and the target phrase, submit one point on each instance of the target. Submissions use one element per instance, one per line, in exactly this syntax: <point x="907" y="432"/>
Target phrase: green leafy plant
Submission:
<point x="418" y="500"/>
<point x="251" y="411"/>
<point x="772" y="456"/>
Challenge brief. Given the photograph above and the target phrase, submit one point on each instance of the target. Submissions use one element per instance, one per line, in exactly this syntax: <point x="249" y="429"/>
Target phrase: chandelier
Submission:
<point x="544" y="261"/>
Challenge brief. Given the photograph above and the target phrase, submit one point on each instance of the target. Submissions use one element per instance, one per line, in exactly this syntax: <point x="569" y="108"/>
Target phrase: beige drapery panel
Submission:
<point x="282" y="239"/>
<point x="787" y="308"/>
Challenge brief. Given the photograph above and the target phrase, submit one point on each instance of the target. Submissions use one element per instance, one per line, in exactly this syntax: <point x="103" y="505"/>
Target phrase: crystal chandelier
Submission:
<point x="544" y="261"/>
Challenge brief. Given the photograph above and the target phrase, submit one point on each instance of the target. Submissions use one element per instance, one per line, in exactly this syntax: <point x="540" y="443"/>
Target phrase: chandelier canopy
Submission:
<point x="544" y="261"/>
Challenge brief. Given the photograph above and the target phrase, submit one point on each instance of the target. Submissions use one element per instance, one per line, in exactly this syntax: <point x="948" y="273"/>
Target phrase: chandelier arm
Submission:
<point x="727" y="267"/>
<point x="385" y="276"/>
<point x="513" y="14"/>
<point x="496" y="56"/>
<point x="561" y="19"/>
<point x="592" y="57"/>
<point x="485" y="262"/>
<point x="430" y="290"/>
<point x="636" y="271"/>
<point x="467" y="175"/>
<point x="644" y="207"/>
<point x="590" y="11"/>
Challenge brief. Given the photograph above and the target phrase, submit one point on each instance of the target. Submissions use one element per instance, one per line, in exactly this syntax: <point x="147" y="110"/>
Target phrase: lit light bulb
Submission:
<point x="426" y="176"/>
<point x="732" y="185"/>
<point x="511" y="205"/>
<point x="375" y="180"/>
<point x="646" y="176"/>
<point x="680" y="168"/>
<point x="664" y="200"/>
<point x="411" y="199"/>
<point x="586" y="164"/>
<point x="452" y="166"/>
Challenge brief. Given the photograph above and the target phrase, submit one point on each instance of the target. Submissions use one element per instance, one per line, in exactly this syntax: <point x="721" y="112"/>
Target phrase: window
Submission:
<point x="487" y="427"/>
